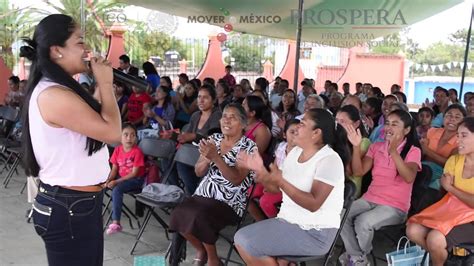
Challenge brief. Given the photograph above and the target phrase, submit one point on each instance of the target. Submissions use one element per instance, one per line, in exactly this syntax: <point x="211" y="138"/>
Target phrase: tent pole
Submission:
<point x="298" y="44"/>
<point x="83" y="18"/>
<point x="466" y="53"/>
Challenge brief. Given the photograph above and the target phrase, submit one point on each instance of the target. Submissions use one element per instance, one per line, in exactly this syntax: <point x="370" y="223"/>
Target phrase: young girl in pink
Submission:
<point x="268" y="200"/>
<point x="127" y="173"/>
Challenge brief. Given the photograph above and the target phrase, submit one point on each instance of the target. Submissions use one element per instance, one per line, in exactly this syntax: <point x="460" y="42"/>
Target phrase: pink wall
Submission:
<point x="324" y="72"/>
<point x="380" y="70"/>
<point x="116" y="47"/>
<point x="288" y="71"/>
<point x="268" y="70"/>
<point x="214" y="65"/>
<point x="5" y="73"/>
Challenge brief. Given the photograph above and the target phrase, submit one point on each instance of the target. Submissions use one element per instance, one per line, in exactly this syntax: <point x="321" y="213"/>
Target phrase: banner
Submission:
<point x="441" y="67"/>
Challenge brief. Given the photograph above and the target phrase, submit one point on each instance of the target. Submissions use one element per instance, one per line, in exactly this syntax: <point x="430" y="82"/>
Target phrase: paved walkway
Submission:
<point x="20" y="245"/>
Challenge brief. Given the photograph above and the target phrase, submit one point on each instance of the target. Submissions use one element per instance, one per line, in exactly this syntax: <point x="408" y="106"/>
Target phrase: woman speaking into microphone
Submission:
<point x="64" y="133"/>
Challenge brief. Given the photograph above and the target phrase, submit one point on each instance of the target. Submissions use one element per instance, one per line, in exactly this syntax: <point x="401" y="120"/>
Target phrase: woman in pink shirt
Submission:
<point x="394" y="165"/>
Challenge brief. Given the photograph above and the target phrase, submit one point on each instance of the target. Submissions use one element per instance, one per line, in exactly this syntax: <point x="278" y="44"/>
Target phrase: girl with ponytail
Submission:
<point x="65" y="129"/>
<point x="312" y="183"/>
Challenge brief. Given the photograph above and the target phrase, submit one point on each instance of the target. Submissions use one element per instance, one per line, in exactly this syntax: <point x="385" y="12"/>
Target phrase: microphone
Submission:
<point x="124" y="78"/>
<point x="129" y="79"/>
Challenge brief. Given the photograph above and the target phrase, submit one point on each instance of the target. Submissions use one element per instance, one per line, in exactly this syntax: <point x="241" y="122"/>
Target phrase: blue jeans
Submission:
<point x="117" y="194"/>
<point x="70" y="224"/>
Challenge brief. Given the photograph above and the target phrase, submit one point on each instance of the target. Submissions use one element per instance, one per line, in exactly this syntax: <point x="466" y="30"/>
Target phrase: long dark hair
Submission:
<point x="55" y="29"/>
<point x="168" y="80"/>
<point x="334" y="134"/>
<point x="262" y="83"/>
<point x="354" y="115"/>
<point x="190" y="99"/>
<point x="468" y="122"/>
<point x="412" y="136"/>
<point x="149" y="68"/>
<point x="257" y="105"/>
<point x="293" y="108"/>
<point x="168" y="96"/>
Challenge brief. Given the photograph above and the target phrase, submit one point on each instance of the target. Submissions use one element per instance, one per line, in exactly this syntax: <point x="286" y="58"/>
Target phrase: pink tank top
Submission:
<point x="61" y="153"/>
<point x="249" y="134"/>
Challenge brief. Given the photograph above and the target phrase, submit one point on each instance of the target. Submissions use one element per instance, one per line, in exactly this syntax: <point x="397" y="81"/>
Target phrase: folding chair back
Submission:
<point x="350" y="190"/>
<point x="10" y="113"/>
<point x="160" y="148"/>
<point x="185" y="128"/>
<point x="239" y="225"/>
<point x="3" y="109"/>
<point x="187" y="154"/>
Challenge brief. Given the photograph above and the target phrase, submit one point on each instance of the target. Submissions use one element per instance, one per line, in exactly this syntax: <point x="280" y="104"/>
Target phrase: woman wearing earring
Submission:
<point x="64" y="133"/>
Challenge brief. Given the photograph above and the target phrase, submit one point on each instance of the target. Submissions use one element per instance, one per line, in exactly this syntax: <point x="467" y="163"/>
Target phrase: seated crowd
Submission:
<point x="291" y="154"/>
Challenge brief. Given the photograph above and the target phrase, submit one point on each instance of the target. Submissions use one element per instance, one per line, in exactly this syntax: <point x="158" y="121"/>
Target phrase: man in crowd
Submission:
<point x="126" y="67"/>
<point x="229" y="78"/>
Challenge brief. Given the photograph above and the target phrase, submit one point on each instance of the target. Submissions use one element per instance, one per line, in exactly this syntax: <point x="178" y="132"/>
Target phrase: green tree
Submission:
<point x="15" y="23"/>
<point x="459" y="37"/>
<point x="442" y="53"/>
<point x="142" y="43"/>
<point x="247" y="52"/>
<point x="99" y="16"/>
<point x="200" y="51"/>
<point x="390" y="44"/>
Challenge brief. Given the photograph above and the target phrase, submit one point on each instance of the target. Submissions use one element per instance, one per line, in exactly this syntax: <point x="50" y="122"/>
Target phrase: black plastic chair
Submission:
<point x="422" y="197"/>
<point x="349" y="197"/>
<point x="10" y="115"/>
<point x="15" y="156"/>
<point x="187" y="154"/>
<point x="125" y="209"/>
<point x="161" y="149"/>
<point x="230" y="240"/>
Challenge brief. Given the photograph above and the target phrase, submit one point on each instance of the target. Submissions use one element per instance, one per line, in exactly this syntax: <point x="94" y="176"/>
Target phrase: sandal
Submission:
<point x="200" y="262"/>
<point x="113" y="228"/>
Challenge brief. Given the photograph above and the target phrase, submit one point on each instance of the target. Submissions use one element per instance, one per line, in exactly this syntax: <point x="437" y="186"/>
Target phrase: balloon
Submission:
<point x="222" y="37"/>
<point x="228" y="27"/>
<point x="224" y="11"/>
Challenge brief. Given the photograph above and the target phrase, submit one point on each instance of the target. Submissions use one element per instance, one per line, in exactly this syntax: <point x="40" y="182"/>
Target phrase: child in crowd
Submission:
<point x="128" y="162"/>
<point x="425" y="115"/>
<point x="268" y="201"/>
<point x="160" y="116"/>
<point x="134" y="106"/>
